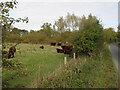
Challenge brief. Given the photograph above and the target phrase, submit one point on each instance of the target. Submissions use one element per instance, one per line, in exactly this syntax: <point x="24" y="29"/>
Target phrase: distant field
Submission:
<point x="36" y="63"/>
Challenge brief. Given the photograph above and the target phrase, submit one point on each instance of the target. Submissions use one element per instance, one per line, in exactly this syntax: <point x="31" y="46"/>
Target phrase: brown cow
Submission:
<point x="59" y="50"/>
<point x="42" y="47"/>
<point x="53" y="44"/>
<point x="12" y="50"/>
<point x="67" y="47"/>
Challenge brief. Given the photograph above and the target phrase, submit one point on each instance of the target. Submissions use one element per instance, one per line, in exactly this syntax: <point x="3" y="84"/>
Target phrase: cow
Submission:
<point x="53" y="44"/>
<point x="59" y="44"/>
<point x="59" y="50"/>
<point x="42" y="47"/>
<point x="67" y="47"/>
<point x="11" y="52"/>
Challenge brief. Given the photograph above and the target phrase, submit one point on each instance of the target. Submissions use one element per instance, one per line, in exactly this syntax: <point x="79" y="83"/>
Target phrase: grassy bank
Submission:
<point x="84" y="72"/>
<point x="35" y="63"/>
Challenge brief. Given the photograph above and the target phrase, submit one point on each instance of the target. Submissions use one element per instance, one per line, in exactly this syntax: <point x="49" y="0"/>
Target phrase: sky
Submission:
<point x="42" y="11"/>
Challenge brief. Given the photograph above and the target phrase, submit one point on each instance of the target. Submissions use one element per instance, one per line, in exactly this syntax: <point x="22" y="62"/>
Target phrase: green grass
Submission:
<point x="84" y="72"/>
<point x="45" y="69"/>
<point x="36" y="63"/>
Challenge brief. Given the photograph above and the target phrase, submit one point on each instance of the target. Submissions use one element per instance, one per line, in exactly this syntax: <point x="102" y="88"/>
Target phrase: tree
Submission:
<point x="5" y="20"/>
<point x="69" y="23"/>
<point x="15" y="35"/>
<point x="32" y="31"/>
<point x="15" y="31"/>
<point x="60" y="25"/>
<point x="46" y="26"/>
<point x="110" y="35"/>
<point x="72" y="22"/>
<point x="5" y="26"/>
<point x="89" y="37"/>
<point x="47" y="29"/>
<point x="118" y="27"/>
<point x="23" y="32"/>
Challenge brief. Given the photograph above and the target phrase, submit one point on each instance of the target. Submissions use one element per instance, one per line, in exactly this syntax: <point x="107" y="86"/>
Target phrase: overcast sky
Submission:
<point x="41" y="11"/>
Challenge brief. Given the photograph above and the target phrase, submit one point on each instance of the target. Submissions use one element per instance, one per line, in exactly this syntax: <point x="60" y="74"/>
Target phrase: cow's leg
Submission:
<point x="12" y="55"/>
<point x="9" y="55"/>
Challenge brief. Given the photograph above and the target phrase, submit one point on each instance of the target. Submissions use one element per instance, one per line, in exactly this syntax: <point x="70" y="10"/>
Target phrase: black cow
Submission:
<point x="52" y="44"/>
<point x="59" y="44"/>
<point x="42" y="47"/>
<point x="59" y="50"/>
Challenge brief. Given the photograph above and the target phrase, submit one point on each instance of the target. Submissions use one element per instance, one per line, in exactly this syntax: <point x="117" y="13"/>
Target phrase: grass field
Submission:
<point x="36" y="63"/>
<point x="85" y="72"/>
<point x="44" y="68"/>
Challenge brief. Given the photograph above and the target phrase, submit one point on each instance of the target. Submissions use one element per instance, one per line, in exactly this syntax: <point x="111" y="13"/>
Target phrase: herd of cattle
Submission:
<point x="66" y="49"/>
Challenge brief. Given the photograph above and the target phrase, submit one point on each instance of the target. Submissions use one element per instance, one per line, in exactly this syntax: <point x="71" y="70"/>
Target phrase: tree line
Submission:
<point x="63" y="30"/>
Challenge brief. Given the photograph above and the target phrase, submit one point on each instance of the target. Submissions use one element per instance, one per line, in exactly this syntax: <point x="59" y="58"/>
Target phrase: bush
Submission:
<point x="11" y="64"/>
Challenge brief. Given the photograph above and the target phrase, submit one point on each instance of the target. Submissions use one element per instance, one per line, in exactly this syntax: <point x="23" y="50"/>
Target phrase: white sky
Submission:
<point x="41" y="11"/>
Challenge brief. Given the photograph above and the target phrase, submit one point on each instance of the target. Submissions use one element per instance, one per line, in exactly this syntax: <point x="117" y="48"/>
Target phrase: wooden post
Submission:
<point x="74" y="56"/>
<point x="65" y="60"/>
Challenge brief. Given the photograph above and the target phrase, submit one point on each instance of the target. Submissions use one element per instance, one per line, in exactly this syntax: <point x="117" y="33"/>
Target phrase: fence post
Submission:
<point x="74" y="56"/>
<point x="65" y="60"/>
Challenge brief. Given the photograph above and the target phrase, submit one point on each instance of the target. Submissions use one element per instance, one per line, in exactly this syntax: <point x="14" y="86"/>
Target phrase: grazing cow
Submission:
<point x="60" y="50"/>
<point x="12" y="50"/>
<point x="59" y="44"/>
<point x="52" y="44"/>
<point x="42" y="47"/>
